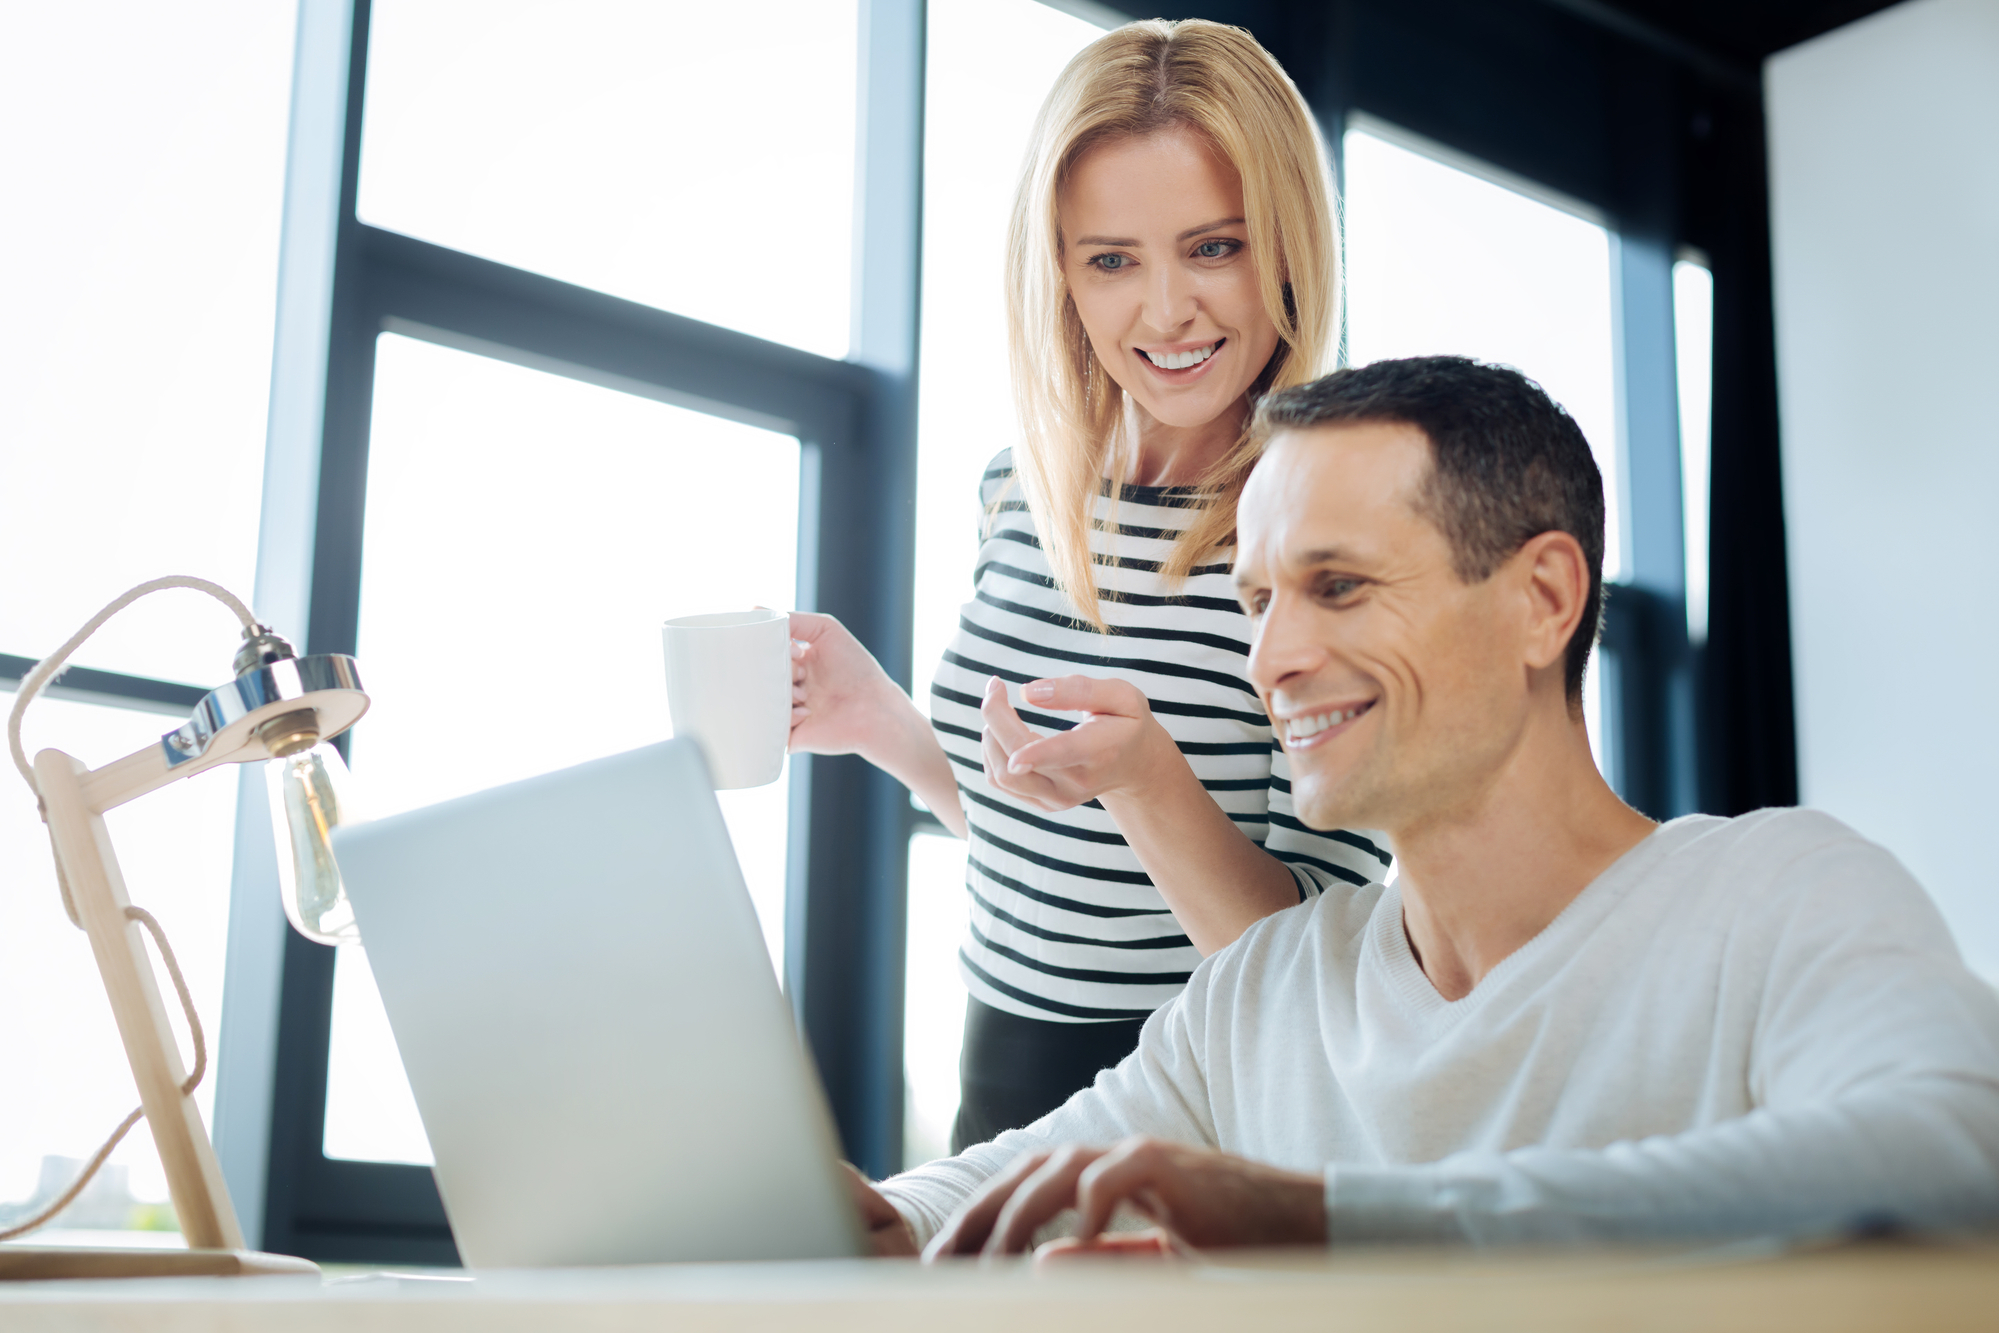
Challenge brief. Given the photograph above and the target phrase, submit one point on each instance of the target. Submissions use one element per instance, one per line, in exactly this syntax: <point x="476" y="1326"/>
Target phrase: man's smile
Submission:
<point x="1303" y="731"/>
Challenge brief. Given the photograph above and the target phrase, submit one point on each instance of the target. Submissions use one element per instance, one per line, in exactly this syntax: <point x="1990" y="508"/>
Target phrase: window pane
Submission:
<point x="933" y="996"/>
<point x="549" y="527"/>
<point x="68" y="1082"/>
<point x="1442" y="261"/>
<point x="1693" y="331"/>
<point x="693" y="156"/>
<point x="991" y="63"/>
<point x="144" y="159"/>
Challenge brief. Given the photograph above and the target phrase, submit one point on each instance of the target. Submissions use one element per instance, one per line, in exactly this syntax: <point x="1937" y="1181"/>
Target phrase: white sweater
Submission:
<point x="1745" y="1026"/>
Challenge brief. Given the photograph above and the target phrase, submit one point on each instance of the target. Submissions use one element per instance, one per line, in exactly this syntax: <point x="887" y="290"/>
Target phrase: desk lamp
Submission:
<point x="281" y="708"/>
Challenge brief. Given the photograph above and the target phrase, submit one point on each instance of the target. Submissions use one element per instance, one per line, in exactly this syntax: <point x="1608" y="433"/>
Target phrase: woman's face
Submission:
<point x="1158" y="264"/>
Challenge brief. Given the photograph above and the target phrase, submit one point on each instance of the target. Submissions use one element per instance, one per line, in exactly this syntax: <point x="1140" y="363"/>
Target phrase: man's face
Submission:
<point x="1396" y="688"/>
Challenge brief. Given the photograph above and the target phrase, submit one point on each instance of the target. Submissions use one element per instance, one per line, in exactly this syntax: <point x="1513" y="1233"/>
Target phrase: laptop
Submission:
<point x="583" y="1001"/>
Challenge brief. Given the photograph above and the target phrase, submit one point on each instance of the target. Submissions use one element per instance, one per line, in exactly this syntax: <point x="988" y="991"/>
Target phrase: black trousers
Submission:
<point x="1015" y="1070"/>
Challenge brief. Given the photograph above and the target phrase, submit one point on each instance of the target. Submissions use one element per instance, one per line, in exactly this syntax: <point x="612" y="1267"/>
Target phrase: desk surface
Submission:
<point x="1877" y="1286"/>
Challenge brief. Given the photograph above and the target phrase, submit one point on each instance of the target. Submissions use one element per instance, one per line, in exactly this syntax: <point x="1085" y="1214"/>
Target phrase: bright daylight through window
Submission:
<point x="623" y="145"/>
<point x="1693" y="334"/>
<point x="991" y="63"/>
<point x="513" y="510"/>
<point x="146" y="164"/>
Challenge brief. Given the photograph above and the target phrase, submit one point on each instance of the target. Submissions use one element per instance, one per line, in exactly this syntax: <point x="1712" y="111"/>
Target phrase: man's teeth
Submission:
<point x="1182" y="360"/>
<point x="1299" y="728"/>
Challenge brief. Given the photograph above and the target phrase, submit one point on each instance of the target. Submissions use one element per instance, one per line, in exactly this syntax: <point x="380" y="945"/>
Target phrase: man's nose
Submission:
<point x="1285" y="646"/>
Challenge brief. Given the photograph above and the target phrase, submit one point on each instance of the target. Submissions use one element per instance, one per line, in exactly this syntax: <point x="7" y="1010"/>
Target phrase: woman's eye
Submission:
<point x="1215" y="249"/>
<point x="1110" y="263"/>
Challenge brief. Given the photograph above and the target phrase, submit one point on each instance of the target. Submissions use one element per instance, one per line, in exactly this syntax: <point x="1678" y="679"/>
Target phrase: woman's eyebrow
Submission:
<point x="1212" y="226"/>
<point x="1133" y="242"/>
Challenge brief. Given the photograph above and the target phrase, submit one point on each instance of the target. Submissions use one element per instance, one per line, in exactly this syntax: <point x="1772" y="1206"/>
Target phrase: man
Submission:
<point x="1562" y="1021"/>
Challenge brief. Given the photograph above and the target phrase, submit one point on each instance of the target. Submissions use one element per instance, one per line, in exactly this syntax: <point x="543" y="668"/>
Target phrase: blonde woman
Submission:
<point x="1170" y="260"/>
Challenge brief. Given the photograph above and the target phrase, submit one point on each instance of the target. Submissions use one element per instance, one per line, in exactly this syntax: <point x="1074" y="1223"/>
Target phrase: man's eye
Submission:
<point x="1335" y="589"/>
<point x="1256" y="603"/>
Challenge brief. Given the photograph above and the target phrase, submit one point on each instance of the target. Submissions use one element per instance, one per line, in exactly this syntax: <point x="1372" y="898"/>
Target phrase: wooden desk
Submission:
<point x="1870" y="1287"/>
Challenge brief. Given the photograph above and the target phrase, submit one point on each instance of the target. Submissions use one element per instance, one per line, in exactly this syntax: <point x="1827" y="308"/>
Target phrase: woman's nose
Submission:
<point x="1169" y="299"/>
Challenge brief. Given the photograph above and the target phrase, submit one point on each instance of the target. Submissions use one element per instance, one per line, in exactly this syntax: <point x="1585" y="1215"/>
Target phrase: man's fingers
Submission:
<point x="1086" y="694"/>
<point x="1134" y="1167"/>
<point x="1038" y="1199"/>
<point x="888" y="1234"/>
<point x="968" y="1228"/>
<point x="1152" y="1243"/>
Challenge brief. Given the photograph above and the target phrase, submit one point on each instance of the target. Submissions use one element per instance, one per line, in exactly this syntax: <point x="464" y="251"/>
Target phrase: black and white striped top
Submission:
<point x="1065" y="925"/>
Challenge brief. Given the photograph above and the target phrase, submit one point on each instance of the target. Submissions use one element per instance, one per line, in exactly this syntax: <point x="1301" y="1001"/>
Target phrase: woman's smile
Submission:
<point x="1181" y="363"/>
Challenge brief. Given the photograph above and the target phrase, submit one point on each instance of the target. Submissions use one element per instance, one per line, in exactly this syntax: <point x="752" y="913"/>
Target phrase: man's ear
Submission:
<point x="1554" y="575"/>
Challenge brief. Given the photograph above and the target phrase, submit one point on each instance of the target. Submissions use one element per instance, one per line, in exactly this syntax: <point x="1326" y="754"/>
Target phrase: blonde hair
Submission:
<point x="1135" y="80"/>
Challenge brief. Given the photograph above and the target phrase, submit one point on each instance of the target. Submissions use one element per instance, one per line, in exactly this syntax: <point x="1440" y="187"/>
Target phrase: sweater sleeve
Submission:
<point x="1159" y="1089"/>
<point x="1874" y="1072"/>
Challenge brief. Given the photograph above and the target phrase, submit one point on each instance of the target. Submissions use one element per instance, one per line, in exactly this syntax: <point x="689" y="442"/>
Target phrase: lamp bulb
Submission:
<point x="308" y="801"/>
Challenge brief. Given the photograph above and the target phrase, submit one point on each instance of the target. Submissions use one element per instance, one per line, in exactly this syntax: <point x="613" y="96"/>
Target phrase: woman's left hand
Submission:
<point x="1117" y="747"/>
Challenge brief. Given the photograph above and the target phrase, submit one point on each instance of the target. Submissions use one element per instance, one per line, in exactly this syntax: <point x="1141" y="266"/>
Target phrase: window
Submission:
<point x="1441" y="258"/>
<point x="145" y="161"/>
<point x="692" y="156"/>
<point x="991" y="64"/>
<point x="541" y="525"/>
<point x="146" y="176"/>
<point x="1693" y="336"/>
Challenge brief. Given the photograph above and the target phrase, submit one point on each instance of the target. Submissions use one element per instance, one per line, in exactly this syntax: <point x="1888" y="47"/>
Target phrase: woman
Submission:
<point x="1170" y="260"/>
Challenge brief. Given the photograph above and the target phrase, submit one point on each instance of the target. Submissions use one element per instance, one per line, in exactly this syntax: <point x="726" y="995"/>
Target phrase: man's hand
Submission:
<point x="1118" y="744"/>
<point x="1199" y="1197"/>
<point x="888" y="1235"/>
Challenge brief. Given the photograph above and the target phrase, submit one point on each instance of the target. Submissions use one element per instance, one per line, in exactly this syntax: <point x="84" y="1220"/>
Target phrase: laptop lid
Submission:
<point x="583" y="1002"/>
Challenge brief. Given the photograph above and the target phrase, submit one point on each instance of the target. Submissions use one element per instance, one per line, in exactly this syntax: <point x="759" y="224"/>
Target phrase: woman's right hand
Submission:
<point x="842" y="702"/>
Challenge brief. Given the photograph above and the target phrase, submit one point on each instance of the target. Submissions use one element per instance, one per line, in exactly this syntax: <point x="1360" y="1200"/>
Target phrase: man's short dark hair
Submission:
<point x="1507" y="463"/>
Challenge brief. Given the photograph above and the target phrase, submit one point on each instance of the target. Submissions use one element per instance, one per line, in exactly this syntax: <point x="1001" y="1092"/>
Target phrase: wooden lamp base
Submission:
<point x="30" y="1263"/>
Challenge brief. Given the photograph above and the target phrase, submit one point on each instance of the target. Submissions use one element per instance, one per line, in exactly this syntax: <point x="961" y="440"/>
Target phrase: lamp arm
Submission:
<point x="126" y="778"/>
<point x="49" y="667"/>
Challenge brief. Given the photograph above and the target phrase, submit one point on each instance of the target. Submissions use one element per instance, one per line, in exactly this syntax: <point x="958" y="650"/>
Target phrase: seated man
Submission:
<point x="1563" y="1021"/>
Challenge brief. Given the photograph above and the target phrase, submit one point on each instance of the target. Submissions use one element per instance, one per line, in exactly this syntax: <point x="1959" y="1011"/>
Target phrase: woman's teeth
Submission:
<point x="1181" y="360"/>
<point x="1300" y="728"/>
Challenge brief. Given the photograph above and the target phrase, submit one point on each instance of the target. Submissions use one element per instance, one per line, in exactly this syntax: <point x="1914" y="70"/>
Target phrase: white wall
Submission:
<point x="1884" y="139"/>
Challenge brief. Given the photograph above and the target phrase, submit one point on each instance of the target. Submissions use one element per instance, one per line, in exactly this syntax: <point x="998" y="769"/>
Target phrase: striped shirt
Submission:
<point x="1065" y="924"/>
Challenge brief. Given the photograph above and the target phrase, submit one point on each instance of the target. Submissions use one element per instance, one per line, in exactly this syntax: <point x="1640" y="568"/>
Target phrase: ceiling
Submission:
<point x="1738" y="32"/>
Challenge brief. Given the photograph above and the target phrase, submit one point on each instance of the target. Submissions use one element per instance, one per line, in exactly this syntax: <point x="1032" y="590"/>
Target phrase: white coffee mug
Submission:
<point x="728" y="685"/>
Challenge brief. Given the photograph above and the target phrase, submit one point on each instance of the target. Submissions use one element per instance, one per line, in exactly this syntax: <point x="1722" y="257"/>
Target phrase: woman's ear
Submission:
<point x="1554" y="576"/>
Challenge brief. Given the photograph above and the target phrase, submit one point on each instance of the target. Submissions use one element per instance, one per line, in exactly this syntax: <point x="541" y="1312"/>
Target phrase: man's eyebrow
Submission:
<point x="1326" y="555"/>
<point x="1189" y="234"/>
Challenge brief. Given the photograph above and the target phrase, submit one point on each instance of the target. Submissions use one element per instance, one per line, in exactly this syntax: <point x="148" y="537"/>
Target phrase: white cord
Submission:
<point x="32" y="684"/>
<point x="43" y="671"/>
